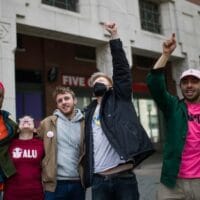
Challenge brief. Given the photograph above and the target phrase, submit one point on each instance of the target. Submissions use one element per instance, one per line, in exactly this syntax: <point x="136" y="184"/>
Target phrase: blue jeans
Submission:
<point x="118" y="187"/>
<point x="72" y="190"/>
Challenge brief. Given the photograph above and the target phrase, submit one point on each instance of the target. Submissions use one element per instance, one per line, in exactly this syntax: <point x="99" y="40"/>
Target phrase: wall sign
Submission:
<point x="75" y="81"/>
<point x="81" y="81"/>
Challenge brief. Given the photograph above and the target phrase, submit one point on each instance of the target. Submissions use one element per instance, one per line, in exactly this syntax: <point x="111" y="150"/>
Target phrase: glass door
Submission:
<point x="149" y="117"/>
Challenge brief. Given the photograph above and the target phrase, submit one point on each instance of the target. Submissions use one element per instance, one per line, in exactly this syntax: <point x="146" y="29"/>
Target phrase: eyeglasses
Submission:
<point x="26" y="120"/>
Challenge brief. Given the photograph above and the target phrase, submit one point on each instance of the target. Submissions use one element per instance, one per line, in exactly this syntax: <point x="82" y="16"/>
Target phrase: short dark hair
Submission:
<point x="62" y="90"/>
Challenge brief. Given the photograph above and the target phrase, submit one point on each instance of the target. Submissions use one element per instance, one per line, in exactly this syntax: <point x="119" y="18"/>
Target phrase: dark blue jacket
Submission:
<point x="119" y="120"/>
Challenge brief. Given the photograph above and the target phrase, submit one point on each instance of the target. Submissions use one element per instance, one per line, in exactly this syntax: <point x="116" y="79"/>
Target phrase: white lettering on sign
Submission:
<point x="75" y="81"/>
<point x="24" y="153"/>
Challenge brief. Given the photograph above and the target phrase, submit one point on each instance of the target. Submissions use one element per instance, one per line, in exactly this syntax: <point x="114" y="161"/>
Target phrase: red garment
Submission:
<point x="3" y="129"/>
<point x="1" y="187"/>
<point x="26" y="183"/>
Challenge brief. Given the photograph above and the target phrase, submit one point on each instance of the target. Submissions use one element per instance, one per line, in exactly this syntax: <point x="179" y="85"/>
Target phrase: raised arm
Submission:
<point x="168" y="47"/>
<point x="156" y="78"/>
<point x="122" y="81"/>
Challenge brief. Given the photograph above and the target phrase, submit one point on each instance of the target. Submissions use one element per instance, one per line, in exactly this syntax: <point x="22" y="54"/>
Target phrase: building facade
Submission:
<point x="44" y="43"/>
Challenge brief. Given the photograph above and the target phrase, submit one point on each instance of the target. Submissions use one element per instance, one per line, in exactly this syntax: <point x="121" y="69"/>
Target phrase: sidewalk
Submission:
<point x="148" y="176"/>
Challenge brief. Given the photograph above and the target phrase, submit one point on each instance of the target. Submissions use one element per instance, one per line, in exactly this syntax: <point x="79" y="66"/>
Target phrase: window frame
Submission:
<point x="63" y="4"/>
<point x="150" y="10"/>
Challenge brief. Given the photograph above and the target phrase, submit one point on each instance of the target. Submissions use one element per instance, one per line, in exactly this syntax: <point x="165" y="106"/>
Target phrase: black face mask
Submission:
<point x="99" y="89"/>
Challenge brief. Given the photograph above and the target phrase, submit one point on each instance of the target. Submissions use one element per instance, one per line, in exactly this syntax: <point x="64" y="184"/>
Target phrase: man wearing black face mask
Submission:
<point x="99" y="89"/>
<point x="115" y="141"/>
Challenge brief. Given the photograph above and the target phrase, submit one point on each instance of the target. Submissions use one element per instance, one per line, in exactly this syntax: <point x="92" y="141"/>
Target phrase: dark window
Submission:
<point x="29" y="76"/>
<point x="29" y="94"/>
<point x="20" y="44"/>
<point x="85" y="53"/>
<point x="64" y="4"/>
<point x="150" y="16"/>
<point x="143" y="62"/>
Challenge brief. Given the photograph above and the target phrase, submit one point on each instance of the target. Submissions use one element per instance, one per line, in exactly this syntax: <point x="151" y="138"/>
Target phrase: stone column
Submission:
<point x="104" y="58"/>
<point x="7" y="59"/>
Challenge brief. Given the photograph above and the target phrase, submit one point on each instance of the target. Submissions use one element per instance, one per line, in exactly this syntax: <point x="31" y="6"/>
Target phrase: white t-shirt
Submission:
<point x="105" y="157"/>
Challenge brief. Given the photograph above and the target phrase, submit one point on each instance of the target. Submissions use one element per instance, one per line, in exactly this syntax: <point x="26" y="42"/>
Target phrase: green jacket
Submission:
<point x="175" y="114"/>
<point x="6" y="166"/>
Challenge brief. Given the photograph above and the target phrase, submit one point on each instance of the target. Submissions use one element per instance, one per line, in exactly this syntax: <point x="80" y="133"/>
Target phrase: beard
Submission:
<point x="68" y="112"/>
<point x="195" y="98"/>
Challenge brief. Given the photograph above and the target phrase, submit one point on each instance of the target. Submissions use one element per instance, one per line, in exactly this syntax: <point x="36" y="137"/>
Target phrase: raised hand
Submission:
<point x="169" y="45"/>
<point x="111" y="27"/>
<point x="168" y="48"/>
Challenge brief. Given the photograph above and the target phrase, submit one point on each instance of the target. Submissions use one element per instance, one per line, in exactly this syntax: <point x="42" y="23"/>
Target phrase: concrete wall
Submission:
<point x="85" y="27"/>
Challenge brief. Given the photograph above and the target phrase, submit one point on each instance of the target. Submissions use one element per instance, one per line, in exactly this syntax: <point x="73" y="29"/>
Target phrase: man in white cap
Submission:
<point x="180" y="176"/>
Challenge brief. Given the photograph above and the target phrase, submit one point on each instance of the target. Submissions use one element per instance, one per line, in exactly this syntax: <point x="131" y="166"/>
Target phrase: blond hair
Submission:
<point x="96" y="75"/>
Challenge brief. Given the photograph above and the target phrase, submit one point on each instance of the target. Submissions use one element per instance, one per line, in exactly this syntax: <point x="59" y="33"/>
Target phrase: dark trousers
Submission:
<point x="122" y="186"/>
<point x="71" y="190"/>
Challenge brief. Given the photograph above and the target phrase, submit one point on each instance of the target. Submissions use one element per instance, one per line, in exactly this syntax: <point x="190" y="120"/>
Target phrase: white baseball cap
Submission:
<point x="191" y="72"/>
